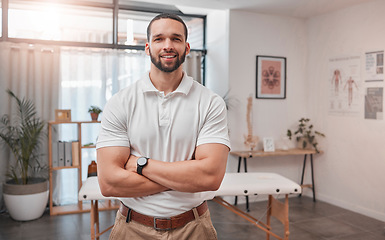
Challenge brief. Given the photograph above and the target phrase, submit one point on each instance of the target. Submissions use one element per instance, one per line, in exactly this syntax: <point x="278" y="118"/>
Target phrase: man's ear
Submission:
<point x="187" y="48"/>
<point x="147" y="48"/>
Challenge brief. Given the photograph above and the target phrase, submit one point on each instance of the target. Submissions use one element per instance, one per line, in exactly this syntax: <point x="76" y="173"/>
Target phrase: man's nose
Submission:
<point x="168" y="44"/>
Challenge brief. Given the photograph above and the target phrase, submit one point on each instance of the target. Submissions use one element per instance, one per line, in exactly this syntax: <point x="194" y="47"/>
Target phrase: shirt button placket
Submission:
<point x="162" y="106"/>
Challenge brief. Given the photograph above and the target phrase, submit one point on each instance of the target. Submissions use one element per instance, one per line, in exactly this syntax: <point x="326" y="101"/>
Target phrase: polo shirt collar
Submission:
<point x="184" y="86"/>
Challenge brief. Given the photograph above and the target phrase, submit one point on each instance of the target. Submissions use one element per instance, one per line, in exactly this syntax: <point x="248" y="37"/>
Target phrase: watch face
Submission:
<point x="142" y="161"/>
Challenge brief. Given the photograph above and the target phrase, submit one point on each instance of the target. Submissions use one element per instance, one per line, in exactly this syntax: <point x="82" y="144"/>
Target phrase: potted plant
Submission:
<point x="95" y="111"/>
<point x="25" y="194"/>
<point x="305" y="135"/>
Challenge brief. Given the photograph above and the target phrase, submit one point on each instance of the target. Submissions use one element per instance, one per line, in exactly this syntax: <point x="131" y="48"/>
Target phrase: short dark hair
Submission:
<point x="166" y="16"/>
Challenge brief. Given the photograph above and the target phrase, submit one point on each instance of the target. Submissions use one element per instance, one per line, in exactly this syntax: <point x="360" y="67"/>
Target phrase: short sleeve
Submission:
<point x="215" y="128"/>
<point x="113" y="130"/>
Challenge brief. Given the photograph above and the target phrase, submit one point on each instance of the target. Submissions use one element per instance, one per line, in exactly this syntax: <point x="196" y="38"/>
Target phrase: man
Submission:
<point x="163" y="145"/>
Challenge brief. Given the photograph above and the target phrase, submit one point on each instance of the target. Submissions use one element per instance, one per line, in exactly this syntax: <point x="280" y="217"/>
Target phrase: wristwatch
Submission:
<point x="141" y="163"/>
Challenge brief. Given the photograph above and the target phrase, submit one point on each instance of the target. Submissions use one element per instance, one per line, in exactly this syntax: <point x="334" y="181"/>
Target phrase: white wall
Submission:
<point x="351" y="172"/>
<point x="256" y="34"/>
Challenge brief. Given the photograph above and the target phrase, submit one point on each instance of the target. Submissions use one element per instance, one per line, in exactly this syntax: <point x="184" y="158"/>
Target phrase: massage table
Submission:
<point x="233" y="184"/>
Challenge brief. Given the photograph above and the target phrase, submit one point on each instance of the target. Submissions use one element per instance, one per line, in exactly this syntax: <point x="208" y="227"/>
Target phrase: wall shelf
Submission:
<point x="79" y="207"/>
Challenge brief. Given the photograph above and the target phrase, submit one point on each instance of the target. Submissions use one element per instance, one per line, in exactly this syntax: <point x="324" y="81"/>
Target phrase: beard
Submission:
<point x="168" y="68"/>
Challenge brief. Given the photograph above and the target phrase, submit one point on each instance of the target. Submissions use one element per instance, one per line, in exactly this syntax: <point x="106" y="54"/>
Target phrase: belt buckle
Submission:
<point x="161" y="229"/>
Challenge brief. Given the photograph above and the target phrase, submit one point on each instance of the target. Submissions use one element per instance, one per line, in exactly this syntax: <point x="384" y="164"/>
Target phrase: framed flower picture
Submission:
<point x="271" y="77"/>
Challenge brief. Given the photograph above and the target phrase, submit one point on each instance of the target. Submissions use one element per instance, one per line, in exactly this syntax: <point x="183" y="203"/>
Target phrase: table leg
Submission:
<point x="312" y="176"/>
<point x="239" y="164"/>
<point x="303" y="171"/>
<point x="93" y="213"/>
<point x="97" y="219"/>
<point x="239" y="169"/>
<point x="247" y="197"/>
<point x="312" y="186"/>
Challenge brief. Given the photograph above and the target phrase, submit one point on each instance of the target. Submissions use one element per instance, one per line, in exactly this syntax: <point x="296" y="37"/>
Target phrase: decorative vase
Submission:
<point x="300" y="143"/>
<point x="94" y="116"/>
<point x="26" y="202"/>
<point x="92" y="169"/>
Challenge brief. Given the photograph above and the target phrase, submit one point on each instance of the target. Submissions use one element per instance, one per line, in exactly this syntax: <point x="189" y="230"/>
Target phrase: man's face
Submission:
<point x="167" y="47"/>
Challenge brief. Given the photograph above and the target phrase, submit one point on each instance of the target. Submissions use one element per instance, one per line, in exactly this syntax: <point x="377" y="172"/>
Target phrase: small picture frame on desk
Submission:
<point x="62" y="115"/>
<point x="268" y="144"/>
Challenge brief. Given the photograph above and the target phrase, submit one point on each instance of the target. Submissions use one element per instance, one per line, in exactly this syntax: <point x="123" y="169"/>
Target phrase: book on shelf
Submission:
<point x="55" y="154"/>
<point x="75" y="154"/>
<point x="67" y="154"/>
<point x="61" y="153"/>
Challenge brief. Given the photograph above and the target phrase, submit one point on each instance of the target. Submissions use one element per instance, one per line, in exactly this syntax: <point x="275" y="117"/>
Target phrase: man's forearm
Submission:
<point x="129" y="184"/>
<point x="116" y="181"/>
<point x="205" y="173"/>
<point x="184" y="176"/>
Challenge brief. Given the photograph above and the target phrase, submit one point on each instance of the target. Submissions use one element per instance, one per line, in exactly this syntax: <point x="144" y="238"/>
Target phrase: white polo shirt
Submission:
<point x="166" y="128"/>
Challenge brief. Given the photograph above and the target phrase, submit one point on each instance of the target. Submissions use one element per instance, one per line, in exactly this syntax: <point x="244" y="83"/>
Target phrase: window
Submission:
<point x="50" y="21"/>
<point x="132" y="28"/>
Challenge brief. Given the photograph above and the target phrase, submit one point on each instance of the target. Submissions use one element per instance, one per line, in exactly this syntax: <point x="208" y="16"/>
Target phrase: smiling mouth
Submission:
<point x="168" y="56"/>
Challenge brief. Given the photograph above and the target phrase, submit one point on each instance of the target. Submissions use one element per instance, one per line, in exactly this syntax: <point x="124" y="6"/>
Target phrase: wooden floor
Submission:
<point x="308" y="221"/>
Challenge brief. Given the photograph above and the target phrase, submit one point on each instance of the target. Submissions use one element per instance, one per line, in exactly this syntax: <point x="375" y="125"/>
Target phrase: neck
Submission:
<point x="164" y="81"/>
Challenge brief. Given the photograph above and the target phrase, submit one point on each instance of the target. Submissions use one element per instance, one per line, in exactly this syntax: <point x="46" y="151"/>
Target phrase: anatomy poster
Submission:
<point x="374" y="66"/>
<point x="345" y="86"/>
<point x="374" y="103"/>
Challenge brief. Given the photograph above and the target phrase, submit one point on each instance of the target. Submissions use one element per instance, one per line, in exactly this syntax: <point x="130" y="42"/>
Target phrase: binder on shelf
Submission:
<point x="55" y="154"/>
<point x="67" y="154"/>
<point x="60" y="151"/>
<point x="75" y="154"/>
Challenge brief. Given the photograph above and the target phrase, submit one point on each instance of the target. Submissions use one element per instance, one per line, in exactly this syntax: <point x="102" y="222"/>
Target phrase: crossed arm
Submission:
<point x="118" y="177"/>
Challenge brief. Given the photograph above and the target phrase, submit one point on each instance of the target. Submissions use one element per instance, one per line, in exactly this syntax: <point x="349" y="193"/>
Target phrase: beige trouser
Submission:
<point x="198" y="229"/>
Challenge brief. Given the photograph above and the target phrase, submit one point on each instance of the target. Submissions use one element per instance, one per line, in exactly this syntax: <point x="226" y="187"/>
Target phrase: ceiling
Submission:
<point x="293" y="8"/>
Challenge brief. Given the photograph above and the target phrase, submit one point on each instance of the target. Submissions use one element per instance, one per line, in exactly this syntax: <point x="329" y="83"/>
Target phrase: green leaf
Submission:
<point x="23" y="137"/>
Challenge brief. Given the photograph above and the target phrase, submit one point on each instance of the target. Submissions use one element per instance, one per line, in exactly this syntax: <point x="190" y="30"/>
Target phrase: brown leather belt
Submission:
<point x="162" y="223"/>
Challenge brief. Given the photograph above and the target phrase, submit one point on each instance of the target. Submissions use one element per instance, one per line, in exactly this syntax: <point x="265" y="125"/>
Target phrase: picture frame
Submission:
<point x="268" y="144"/>
<point x="62" y="115"/>
<point x="271" y="77"/>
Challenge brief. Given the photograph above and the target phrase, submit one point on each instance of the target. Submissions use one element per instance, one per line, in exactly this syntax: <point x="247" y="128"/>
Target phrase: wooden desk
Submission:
<point x="295" y="151"/>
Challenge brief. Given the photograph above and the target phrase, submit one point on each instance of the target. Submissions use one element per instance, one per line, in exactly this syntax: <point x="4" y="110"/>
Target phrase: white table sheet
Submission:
<point x="90" y="190"/>
<point x="233" y="184"/>
<point x="251" y="183"/>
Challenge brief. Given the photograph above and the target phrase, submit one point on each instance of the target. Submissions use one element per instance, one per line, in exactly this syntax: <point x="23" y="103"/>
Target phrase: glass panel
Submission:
<point x="49" y="21"/>
<point x="99" y="1"/>
<point x="132" y="28"/>
<point x="1" y="20"/>
<point x="195" y="27"/>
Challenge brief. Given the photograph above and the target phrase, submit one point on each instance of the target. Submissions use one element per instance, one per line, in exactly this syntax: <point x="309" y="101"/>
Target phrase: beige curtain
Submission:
<point x="31" y="72"/>
<point x="192" y="66"/>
